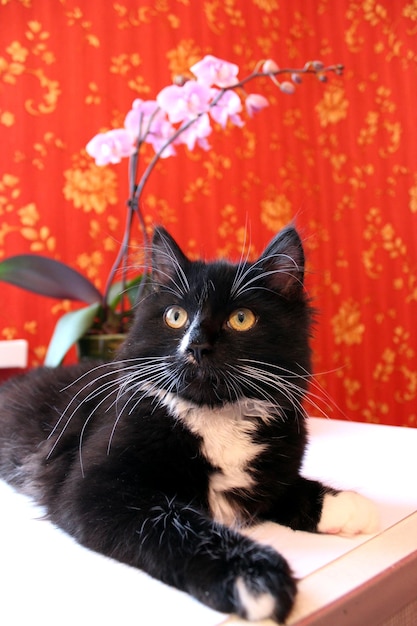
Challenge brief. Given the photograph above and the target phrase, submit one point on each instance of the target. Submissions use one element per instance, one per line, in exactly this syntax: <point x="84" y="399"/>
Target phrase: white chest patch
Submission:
<point x="227" y="443"/>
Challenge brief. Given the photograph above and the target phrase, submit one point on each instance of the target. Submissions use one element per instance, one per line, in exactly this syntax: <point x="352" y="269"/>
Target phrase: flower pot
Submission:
<point x="103" y="347"/>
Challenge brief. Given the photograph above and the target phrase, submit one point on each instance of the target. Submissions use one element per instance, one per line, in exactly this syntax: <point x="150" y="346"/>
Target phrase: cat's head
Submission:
<point x="216" y="332"/>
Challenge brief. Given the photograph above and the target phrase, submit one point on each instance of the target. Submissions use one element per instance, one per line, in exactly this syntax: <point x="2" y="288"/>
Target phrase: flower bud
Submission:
<point x="296" y="78"/>
<point x="287" y="87"/>
<point x="180" y="79"/>
<point x="270" y="67"/>
<point x="317" y="65"/>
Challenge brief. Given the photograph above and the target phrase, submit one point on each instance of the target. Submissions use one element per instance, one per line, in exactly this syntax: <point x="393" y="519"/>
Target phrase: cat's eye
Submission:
<point x="242" y="319"/>
<point x="175" y="317"/>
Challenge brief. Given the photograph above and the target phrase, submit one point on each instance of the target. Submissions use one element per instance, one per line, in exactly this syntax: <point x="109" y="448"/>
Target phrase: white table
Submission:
<point x="13" y="353"/>
<point x="49" y="579"/>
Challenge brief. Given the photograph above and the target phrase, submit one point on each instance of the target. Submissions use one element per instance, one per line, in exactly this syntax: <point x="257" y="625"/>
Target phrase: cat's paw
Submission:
<point x="265" y="588"/>
<point x="348" y="513"/>
<point x="247" y="579"/>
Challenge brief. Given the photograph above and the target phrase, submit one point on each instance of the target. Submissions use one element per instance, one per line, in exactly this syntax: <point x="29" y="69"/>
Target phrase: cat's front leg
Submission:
<point x="183" y="547"/>
<point x="309" y="505"/>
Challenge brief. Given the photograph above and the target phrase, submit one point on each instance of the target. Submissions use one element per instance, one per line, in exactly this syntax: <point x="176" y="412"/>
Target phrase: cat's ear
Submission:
<point x="168" y="260"/>
<point x="283" y="261"/>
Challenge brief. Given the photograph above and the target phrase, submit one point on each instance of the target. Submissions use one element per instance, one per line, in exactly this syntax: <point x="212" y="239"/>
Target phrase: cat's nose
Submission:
<point x="199" y="351"/>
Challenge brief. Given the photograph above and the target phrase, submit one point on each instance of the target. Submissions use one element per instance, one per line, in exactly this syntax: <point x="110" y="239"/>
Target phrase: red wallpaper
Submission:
<point x="338" y="157"/>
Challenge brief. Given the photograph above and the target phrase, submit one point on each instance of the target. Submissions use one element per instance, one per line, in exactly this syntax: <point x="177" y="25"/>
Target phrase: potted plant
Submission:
<point x="182" y="113"/>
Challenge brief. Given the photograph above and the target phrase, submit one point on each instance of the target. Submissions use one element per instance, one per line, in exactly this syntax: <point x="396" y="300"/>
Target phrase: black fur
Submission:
<point x="118" y="454"/>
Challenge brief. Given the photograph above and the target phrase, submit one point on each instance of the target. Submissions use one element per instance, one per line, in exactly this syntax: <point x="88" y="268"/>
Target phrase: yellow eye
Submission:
<point x="175" y="317"/>
<point x="242" y="319"/>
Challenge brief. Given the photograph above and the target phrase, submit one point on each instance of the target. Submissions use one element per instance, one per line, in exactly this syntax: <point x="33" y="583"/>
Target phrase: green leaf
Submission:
<point x="133" y="287"/>
<point x="130" y="289"/>
<point x="69" y="328"/>
<point x="48" y="277"/>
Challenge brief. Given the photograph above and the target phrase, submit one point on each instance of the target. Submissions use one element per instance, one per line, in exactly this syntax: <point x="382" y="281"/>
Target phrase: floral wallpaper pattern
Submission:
<point x="339" y="158"/>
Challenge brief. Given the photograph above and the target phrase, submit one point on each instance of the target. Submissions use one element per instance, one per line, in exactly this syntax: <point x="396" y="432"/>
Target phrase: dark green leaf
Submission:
<point x="48" y="277"/>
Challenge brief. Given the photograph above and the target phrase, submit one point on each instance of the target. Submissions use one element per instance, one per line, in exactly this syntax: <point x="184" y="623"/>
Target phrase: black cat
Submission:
<point x="196" y="430"/>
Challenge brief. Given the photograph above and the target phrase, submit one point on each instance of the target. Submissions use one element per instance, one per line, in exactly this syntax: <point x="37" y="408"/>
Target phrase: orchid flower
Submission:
<point x="197" y="133"/>
<point x="213" y="71"/>
<point x="111" y="147"/>
<point x="255" y="102"/>
<point x="184" y="102"/>
<point x="227" y="108"/>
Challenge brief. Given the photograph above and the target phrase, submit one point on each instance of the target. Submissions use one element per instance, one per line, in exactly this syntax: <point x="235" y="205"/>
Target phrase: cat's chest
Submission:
<point x="227" y="442"/>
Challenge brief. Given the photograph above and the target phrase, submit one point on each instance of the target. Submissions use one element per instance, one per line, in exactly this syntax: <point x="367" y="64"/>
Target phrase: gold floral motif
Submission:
<point x="267" y="5"/>
<point x="198" y="186"/>
<point x="276" y="209"/>
<point x="227" y="229"/>
<point x="381" y="236"/>
<point x="9" y="191"/>
<point x="333" y="107"/>
<point x="90" y="264"/>
<point x="5" y="229"/>
<point x="352" y="386"/>
<point x="215" y="164"/>
<point x="410" y="12"/>
<point x="184" y="56"/>
<point x="76" y="17"/>
<point x="401" y="341"/>
<point x="138" y="16"/>
<point x="385" y="367"/>
<point x="93" y="97"/>
<point x="17" y="52"/>
<point x="410" y="391"/>
<point x="9" y="332"/>
<point x="368" y="134"/>
<point x="413" y="196"/>
<point x="376" y="412"/>
<point x="127" y="64"/>
<point x="7" y="118"/>
<point x="348" y="327"/>
<point x="246" y="148"/>
<point x="376" y="14"/>
<point x="392" y="243"/>
<point x="91" y="188"/>
<point x="165" y="212"/>
<point x="50" y="98"/>
<point x="394" y="131"/>
<point x="215" y="22"/>
<point x="123" y="63"/>
<point x="40" y="239"/>
<point x="9" y="71"/>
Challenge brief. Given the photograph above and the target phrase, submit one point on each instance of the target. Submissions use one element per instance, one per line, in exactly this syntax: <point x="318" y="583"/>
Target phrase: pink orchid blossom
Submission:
<point x="213" y="71"/>
<point x="184" y="102"/>
<point x="162" y="135"/>
<point x="111" y="147"/>
<point x="227" y="108"/>
<point x="197" y="133"/>
<point x="147" y="122"/>
<point x="255" y="103"/>
<point x="141" y="117"/>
